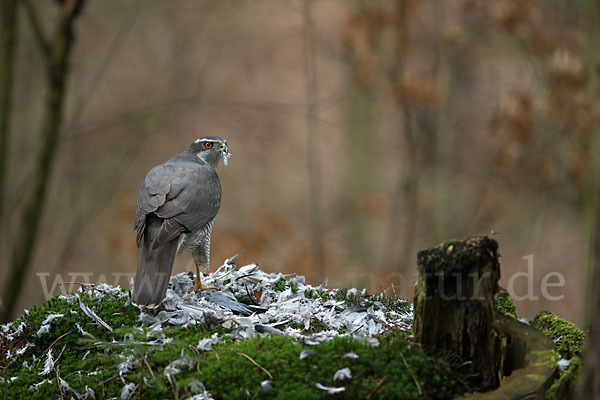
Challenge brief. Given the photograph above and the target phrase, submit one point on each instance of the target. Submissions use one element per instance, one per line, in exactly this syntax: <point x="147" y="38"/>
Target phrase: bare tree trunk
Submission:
<point x="362" y="142"/>
<point x="8" y="38"/>
<point x="57" y="54"/>
<point x="313" y="153"/>
<point x="404" y="204"/>
<point x="590" y="387"/>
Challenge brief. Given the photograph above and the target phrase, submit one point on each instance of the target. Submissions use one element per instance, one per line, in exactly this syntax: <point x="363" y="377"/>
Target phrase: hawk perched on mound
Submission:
<point x="176" y="207"/>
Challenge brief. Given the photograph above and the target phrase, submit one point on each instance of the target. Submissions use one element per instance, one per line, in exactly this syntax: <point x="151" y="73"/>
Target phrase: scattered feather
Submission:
<point x="36" y="386"/>
<point x="23" y="349"/>
<point x="330" y="390"/>
<point x="306" y="353"/>
<point x="351" y="355"/>
<point x="65" y="385"/>
<point x="89" y="393"/>
<point x="48" y="364"/>
<point x="43" y="329"/>
<point x="247" y="269"/>
<point x="90" y="313"/>
<point x="563" y="364"/>
<point x="207" y="343"/>
<point x="201" y="396"/>
<point x="266" y="386"/>
<point x="196" y="386"/>
<point x="16" y="333"/>
<point x="126" y="366"/>
<point x="267" y="329"/>
<point x="60" y="354"/>
<point x="51" y="317"/>
<point x="127" y="390"/>
<point x="80" y="330"/>
<point x="176" y="366"/>
<point x="342" y="374"/>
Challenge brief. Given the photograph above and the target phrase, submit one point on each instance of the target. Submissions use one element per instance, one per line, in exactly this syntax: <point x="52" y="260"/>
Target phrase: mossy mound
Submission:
<point x="569" y="343"/>
<point x="57" y="351"/>
<point x="568" y="338"/>
<point x="505" y="304"/>
<point x="565" y="387"/>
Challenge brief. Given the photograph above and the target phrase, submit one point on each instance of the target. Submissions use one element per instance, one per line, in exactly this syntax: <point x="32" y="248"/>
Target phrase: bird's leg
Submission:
<point x="201" y="261"/>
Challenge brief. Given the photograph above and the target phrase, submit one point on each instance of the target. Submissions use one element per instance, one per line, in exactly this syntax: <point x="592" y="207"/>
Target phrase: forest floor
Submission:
<point x="261" y="336"/>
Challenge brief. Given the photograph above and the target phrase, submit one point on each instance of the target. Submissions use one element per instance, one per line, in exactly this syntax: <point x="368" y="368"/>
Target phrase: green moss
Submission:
<point x="282" y="285"/>
<point x="456" y="256"/>
<point x="349" y="297"/>
<point x="568" y="338"/>
<point x="505" y="304"/>
<point x="550" y="357"/>
<point x="311" y="293"/>
<point x="378" y="372"/>
<point x="393" y="303"/>
<point x="569" y="343"/>
<point x="433" y="262"/>
<point x="63" y="339"/>
<point x="315" y="326"/>
<point x="566" y="385"/>
<point x="233" y="369"/>
<point x="279" y="286"/>
<point x="536" y="378"/>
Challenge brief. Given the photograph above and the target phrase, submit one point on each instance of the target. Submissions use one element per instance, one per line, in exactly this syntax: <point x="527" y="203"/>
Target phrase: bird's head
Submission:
<point x="211" y="149"/>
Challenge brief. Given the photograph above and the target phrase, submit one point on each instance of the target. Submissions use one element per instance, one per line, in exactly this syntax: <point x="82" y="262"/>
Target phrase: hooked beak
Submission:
<point x="225" y="153"/>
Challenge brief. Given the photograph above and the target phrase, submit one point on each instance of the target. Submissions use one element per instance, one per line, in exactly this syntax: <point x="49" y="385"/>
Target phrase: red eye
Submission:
<point x="208" y="145"/>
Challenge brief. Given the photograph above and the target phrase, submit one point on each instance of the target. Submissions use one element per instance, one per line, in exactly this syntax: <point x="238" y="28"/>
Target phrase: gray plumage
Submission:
<point x="176" y="207"/>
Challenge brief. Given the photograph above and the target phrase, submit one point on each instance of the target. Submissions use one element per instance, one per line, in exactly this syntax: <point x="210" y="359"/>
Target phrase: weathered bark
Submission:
<point x="57" y="54"/>
<point x="529" y="362"/>
<point x="8" y="38"/>
<point x="454" y="305"/>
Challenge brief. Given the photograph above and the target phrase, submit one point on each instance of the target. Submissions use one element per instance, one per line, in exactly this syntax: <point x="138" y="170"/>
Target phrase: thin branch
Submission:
<point x="62" y="392"/>
<point x="255" y="363"/>
<point x="41" y="39"/>
<point x="411" y="374"/>
<point x="106" y="380"/>
<point x="376" y="387"/>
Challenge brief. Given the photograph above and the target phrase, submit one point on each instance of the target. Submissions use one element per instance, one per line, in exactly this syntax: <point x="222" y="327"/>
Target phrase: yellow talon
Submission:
<point x="198" y="285"/>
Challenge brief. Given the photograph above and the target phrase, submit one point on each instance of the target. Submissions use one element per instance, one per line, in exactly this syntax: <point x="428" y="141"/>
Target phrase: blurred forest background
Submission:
<point x="361" y="132"/>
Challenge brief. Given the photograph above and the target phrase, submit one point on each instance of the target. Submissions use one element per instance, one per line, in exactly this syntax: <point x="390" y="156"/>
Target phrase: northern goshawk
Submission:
<point x="176" y="207"/>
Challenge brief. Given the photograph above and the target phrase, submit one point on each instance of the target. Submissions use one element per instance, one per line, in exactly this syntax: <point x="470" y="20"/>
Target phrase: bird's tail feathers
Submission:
<point x="153" y="273"/>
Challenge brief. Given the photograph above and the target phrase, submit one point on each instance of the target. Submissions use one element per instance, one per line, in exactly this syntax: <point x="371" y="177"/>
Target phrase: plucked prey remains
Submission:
<point x="176" y="207"/>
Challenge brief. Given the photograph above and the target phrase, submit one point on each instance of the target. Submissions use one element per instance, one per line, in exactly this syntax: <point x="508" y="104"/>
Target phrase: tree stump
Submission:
<point x="454" y="305"/>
